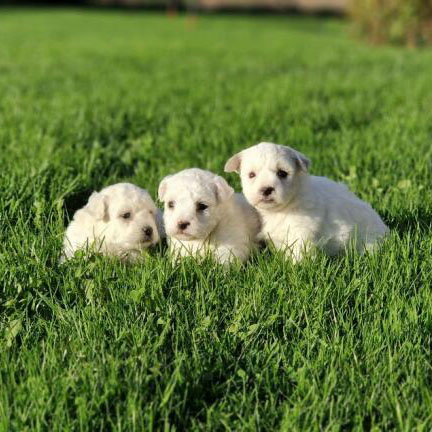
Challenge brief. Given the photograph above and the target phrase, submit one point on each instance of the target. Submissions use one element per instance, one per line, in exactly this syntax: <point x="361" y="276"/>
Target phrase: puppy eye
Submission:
<point x="126" y="215"/>
<point x="252" y="174"/>
<point x="170" y="204"/>
<point x="282" y="174"/>
<point x="201" y="206"/>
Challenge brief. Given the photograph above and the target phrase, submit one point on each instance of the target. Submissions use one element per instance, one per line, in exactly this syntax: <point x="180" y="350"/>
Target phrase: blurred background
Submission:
<point x="406" y="22"/>
<point x="333" y="6"/>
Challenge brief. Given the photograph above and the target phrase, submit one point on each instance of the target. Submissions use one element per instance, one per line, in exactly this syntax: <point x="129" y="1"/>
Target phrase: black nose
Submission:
<point x="148" y="231"/>
<point x="183" y="225"/>
<point x="267" y="191"/>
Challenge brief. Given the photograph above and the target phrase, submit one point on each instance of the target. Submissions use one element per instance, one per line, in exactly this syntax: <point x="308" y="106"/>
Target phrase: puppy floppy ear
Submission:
<point x="97" y="206"/>
<point x="223" y="190"/>
<point x="233" y="163"/>
<point x="163" y="187"/>
<point x="301" y="161"/>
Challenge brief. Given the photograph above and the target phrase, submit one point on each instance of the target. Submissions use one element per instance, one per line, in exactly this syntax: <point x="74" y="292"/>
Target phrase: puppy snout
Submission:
<point x="182" y="225"/>
<point x="148" y="232"/>
<point x="267" y="191"/>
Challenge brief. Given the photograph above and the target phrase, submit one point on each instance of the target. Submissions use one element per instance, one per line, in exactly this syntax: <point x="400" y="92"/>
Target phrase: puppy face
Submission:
<point x="269" y="173"/>
<point x="194" y="201"/>
<point x="125" y="216"/>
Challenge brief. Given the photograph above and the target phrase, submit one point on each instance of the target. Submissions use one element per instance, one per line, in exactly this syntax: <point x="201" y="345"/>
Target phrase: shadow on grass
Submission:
<point x="113" y="167"/>
<point x="74" y="202"/>
<point x="420" y="219"/>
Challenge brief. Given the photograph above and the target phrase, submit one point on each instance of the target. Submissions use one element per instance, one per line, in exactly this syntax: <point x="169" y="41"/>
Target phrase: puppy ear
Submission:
<point x="97" y="206"/>
<point x="301" y="161"/>
<point x="233" y="163"/>
<point x="163" y="187"/>
<point x="223" y="190"/>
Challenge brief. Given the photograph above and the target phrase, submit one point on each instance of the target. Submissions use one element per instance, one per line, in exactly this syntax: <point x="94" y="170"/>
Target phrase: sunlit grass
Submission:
<point x="88" y="99"/>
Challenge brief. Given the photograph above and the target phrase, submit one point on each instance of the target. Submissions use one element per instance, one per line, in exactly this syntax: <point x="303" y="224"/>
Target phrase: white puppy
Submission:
<point x="120" y="220"/>
<point x="299" y="210"/>
<point x="203" y="215"/>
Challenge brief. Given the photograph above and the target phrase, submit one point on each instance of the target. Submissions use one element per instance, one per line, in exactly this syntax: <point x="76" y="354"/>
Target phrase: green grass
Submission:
<point x="88" y="99"/>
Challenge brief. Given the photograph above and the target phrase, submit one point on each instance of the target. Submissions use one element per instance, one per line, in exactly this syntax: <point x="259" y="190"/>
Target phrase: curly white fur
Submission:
<point x="299" y="210"/>
<point x="203" y="215"/>
<point x="121" y="220"/>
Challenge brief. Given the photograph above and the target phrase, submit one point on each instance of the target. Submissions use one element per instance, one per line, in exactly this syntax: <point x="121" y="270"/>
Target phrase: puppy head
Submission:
<point x="270" y="174"/>
<point x="125" y="216"/>
<point x="194" y="201"/>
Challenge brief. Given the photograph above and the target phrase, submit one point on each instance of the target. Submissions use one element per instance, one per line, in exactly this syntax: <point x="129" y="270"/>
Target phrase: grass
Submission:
<point x="88" y="99"/>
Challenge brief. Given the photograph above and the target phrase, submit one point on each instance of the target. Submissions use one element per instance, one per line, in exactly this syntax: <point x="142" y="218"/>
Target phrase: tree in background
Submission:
<point x="397" y="21"/>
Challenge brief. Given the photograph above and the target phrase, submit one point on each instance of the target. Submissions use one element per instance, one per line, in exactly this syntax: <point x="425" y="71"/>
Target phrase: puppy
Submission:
<point x="203" y="215"/>
<point x="121" y="220"/>
<point x="299" y="210"/>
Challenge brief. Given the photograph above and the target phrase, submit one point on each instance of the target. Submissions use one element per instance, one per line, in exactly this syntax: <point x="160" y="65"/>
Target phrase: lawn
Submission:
<point x="92" y="98"/>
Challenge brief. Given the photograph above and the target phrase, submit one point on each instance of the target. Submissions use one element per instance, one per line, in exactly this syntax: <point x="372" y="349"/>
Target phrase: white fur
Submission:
<point x="227" y="228"/>
<point x="102" y="226"/>
<point x="303" y="210"/>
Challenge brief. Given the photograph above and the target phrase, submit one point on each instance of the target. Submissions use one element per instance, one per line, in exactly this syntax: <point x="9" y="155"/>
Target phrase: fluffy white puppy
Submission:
<point x="203" y="215"/>
<point x="120" y="220"/>
<point x="299" y="210"/>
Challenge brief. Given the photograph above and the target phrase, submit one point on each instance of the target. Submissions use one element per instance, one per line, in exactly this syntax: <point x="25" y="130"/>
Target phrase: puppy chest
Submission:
<point x="289" y="228"/>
